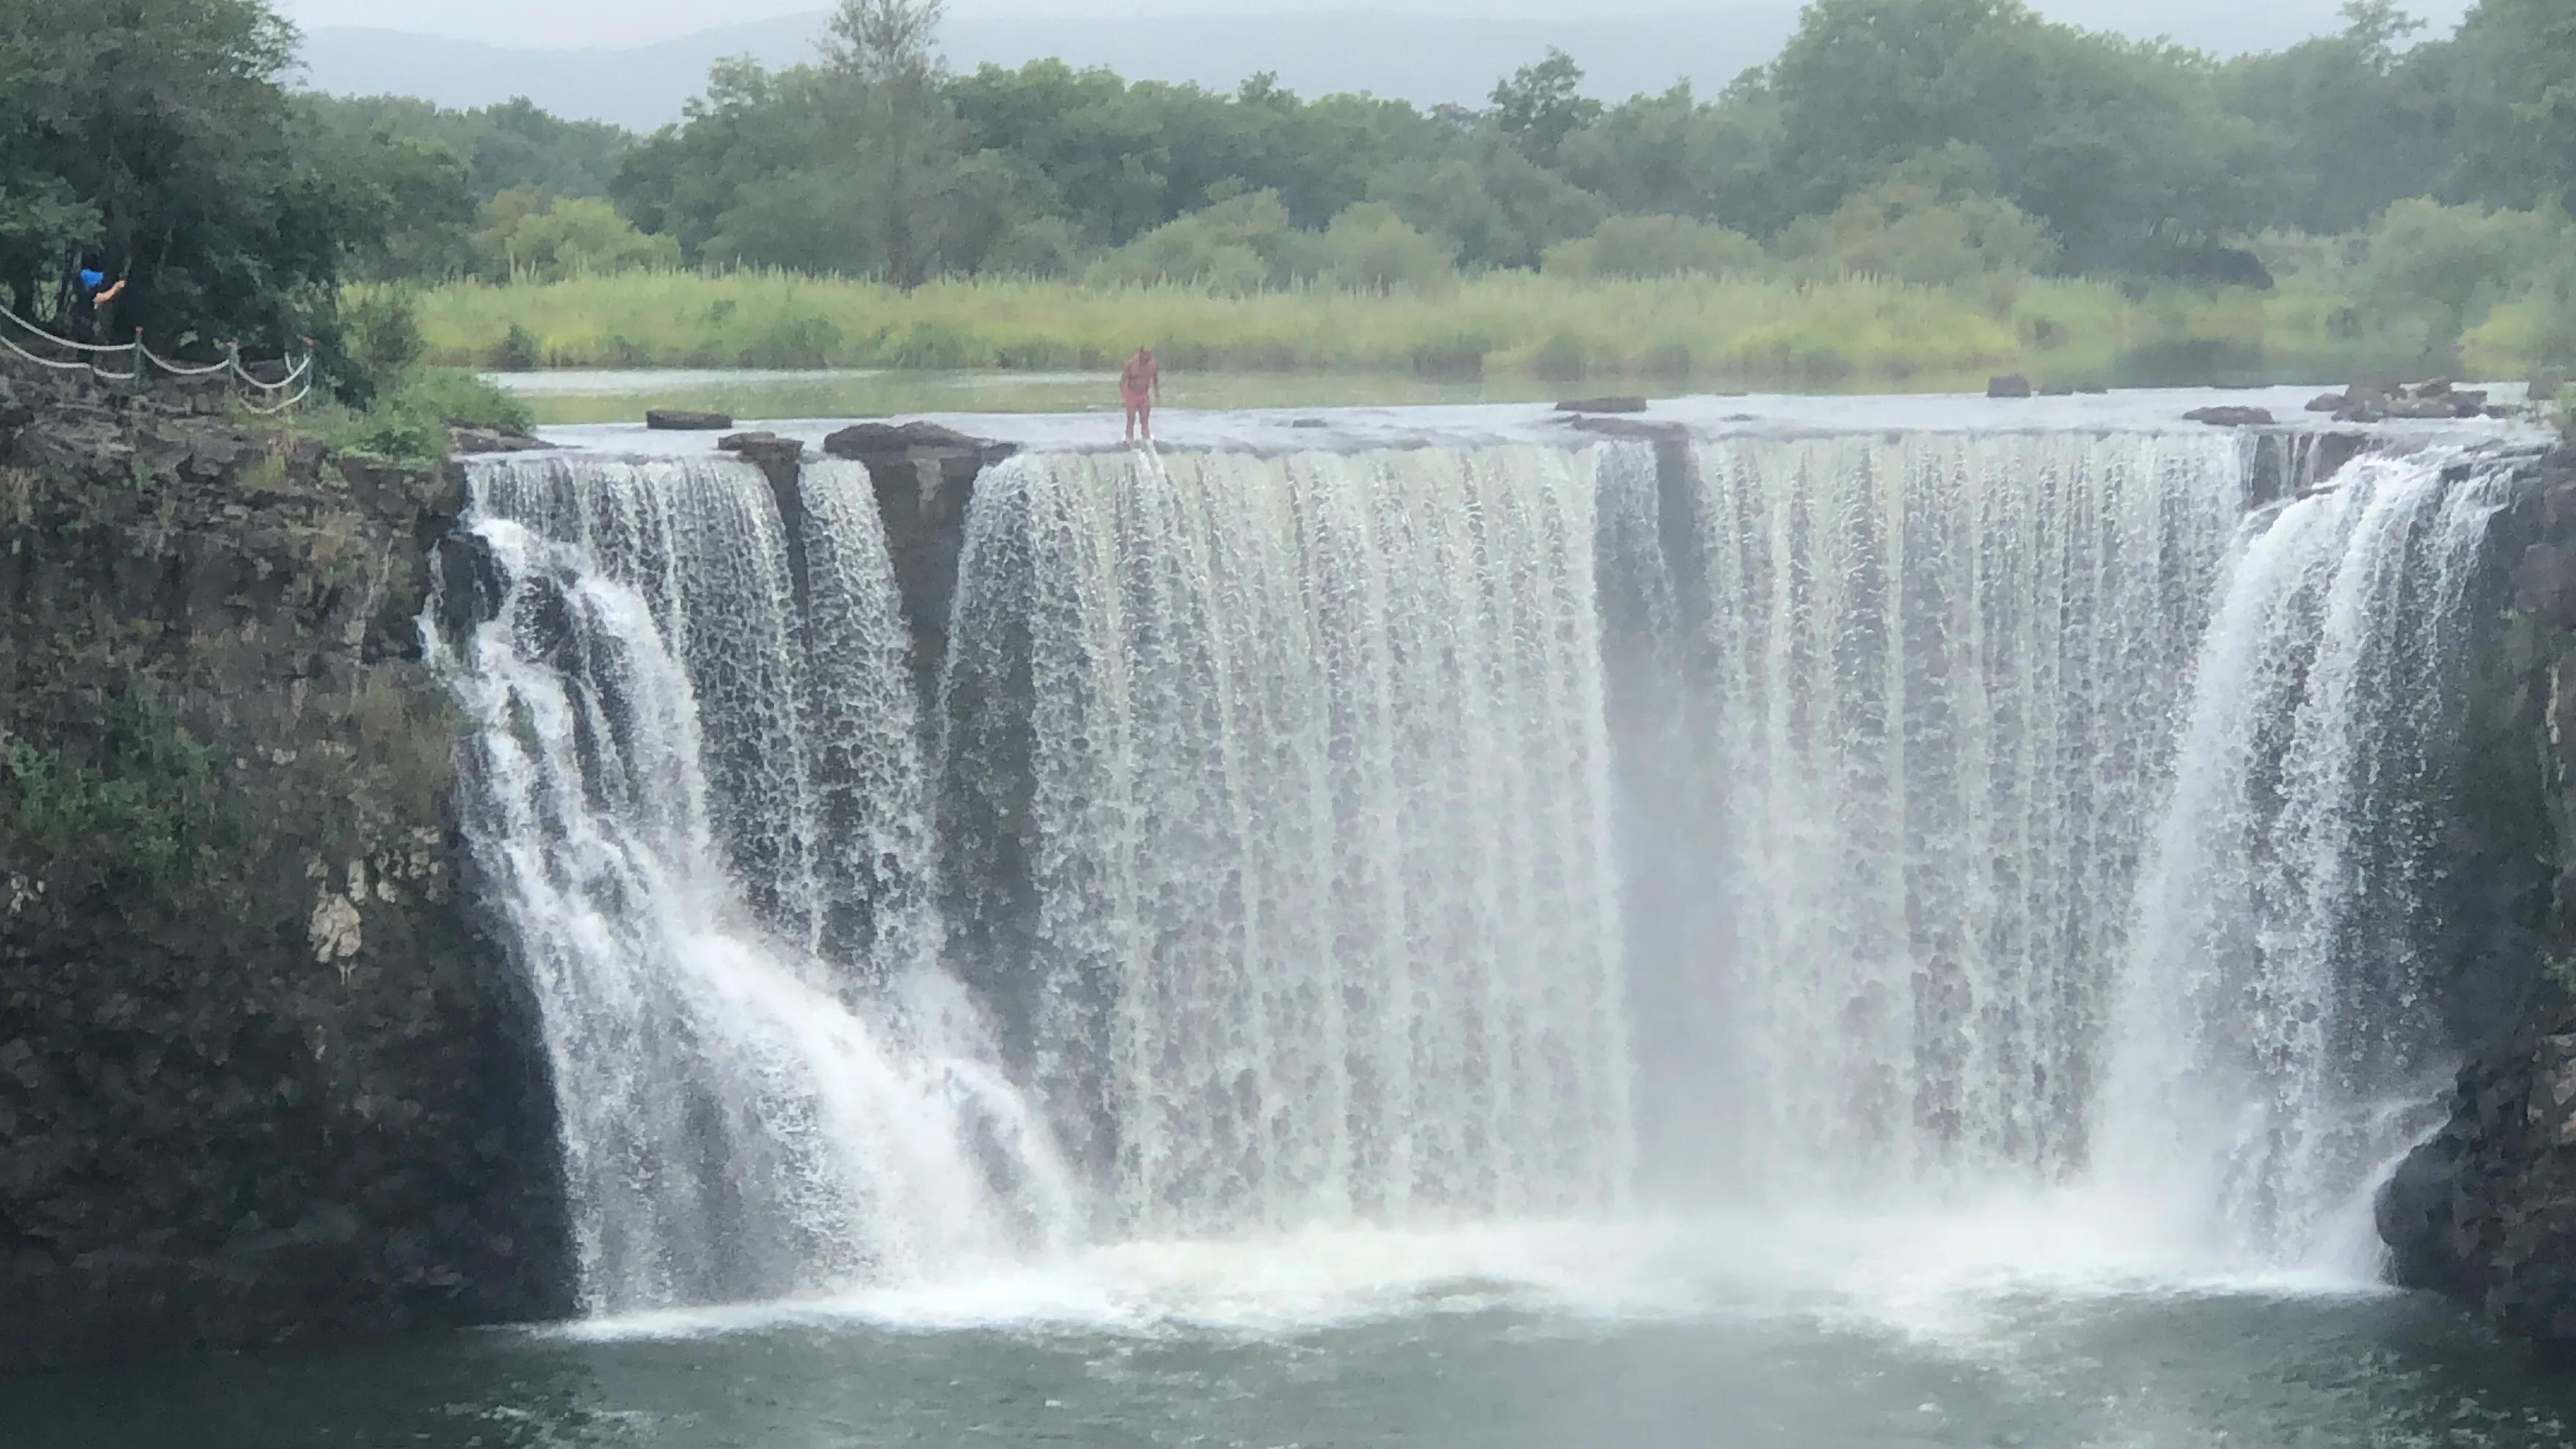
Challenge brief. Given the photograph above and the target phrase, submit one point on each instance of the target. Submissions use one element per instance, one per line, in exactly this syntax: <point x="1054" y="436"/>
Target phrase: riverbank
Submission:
<point x="1756" y="332"/>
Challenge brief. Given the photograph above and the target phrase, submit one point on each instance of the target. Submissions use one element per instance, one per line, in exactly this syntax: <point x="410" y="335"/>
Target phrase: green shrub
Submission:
<point x="381" y="343"/>
<point x="518" y="351"/>
<point x="531" y="234"/>
<point x="794" y="342"/>
<point x="1912" y="232"/>
<point x="1371" y="249"/>
<point x="465" y="399"/>
<point x="2443" y="268"/>
<point x="1561" y="358"/>
<point x="1647" y="247"/>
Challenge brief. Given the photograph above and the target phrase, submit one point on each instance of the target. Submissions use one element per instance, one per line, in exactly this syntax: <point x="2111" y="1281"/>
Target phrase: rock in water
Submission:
<point x="872" y="440"/>
<point x="2011" y="384"/>
<point x="762" y="447"/>
<point x="2230" y="417"/>
<point x="1603" y="405"/>
<point x="679" y="420"/>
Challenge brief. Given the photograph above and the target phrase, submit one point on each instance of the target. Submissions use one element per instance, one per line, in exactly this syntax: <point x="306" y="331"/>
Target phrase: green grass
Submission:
<point x="1769" y="331"/>
<point x="407" y="422"/>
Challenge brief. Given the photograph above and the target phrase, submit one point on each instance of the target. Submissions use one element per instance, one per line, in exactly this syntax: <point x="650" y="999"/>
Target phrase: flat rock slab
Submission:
<point x="2231" y="417"/>
<point x="762" y="447"/>
<point x="1603" y="405"/>
<point x="676" y="420"/>
<point x="876" y="440"/>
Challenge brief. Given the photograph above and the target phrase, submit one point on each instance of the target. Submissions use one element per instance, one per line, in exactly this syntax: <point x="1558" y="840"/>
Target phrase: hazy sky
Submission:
<point x="627" y="22"/>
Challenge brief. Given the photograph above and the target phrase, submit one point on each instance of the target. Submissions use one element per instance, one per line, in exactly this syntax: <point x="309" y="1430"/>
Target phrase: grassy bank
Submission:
<point x="1755" y="330"/>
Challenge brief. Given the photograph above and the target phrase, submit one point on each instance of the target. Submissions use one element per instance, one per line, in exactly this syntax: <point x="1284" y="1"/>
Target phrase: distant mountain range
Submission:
<point x="1423" y="59"/>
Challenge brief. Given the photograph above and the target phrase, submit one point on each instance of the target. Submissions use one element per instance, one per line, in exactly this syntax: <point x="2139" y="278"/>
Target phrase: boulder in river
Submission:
<point x="1603" y="405"/>
<point x="2230" y="417"/>
<point x="870" y="440"/>
<point x="2011" y="384"/>
<point x="680" y="420"/>
<point x="762" y="447"/>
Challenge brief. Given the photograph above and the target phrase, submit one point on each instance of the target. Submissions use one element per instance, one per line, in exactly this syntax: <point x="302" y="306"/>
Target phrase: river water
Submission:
<point x="1674" y="1335"/>
<point x="1895" y="938"/>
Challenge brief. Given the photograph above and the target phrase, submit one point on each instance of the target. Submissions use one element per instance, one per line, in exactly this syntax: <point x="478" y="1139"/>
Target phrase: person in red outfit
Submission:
<point x="1140" y="386"/>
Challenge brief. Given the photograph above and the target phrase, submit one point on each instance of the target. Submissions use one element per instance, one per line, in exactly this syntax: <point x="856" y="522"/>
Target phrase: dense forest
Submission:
<point x="2416" y="184"/>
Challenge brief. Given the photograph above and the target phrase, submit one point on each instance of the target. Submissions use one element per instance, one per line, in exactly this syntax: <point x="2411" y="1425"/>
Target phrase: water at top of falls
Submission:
<point x="656" y="746"/>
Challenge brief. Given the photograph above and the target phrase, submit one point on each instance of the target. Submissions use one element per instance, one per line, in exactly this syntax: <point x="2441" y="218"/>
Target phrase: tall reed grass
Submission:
<point x="1772" y="331"/>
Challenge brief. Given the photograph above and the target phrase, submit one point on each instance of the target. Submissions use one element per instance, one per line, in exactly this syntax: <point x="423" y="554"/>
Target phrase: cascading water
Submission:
<point x="670" y="777"/>
<point x="1428" y="837"/>
<point x="1310" y="811"/>
<point x="1929" y="688"/>
<point x="2278" y="1017"/>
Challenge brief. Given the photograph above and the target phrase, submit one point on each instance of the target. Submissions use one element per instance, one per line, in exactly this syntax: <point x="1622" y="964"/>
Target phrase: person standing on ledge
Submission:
<point x="1140" y="386"/>
<point x="91" y="295"/>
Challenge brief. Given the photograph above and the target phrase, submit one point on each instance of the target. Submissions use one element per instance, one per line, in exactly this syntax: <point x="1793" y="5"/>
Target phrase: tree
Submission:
<point x="1371" y="249"/>
<point x="1540" y="105"/>
<point x="151" y="138"/>
<point x="1674" y="155"/>
<point x="530" y="234"/>
<point x="2526" y="50"/>
<point x="2376" y="28"/>
<point x="1494" y="204"/>
<point x="1656" y="246"/>
<point x="887" y="42"/>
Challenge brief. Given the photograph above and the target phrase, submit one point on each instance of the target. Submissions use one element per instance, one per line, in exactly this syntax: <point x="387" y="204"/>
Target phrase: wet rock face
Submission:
<point x="261" y="1076"/>
<point x="2485" y="1212"/>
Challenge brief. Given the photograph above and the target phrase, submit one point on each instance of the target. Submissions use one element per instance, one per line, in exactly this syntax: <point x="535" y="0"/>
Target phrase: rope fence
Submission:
<point x="97" y="360"/>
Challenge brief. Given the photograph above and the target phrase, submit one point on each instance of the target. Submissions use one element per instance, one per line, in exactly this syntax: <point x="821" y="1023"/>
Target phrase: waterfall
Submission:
<point x="2279" y="1015"/>
<point x="1932" y="687"/>
<point x="701" y="814"/>
<point x="1437" y="836"/>
<point x="1307" y="807"/>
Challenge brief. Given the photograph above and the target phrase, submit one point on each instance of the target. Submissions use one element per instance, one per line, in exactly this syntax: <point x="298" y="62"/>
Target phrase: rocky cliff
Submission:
<point x="2485" y="1212"/>
<point x="261" y="1077"/>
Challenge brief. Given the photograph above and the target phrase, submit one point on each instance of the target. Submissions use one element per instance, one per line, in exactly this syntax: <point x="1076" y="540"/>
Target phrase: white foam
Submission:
<point x="1964" y="1278"/>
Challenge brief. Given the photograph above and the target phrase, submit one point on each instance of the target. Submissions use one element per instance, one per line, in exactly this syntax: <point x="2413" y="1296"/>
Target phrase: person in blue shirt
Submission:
<point x="91" y="294"/>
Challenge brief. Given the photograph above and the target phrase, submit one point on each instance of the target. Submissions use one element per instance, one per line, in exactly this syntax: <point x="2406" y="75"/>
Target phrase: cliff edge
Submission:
<point x="261" y="1075"/>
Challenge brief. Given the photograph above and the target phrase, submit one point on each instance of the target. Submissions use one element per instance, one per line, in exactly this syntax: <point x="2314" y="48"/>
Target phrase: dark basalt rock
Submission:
<point x="1626" y="427"/>
<point x="679" y="420"/>
<point x="264" y="1077"/>
<point x="2230" y="417"/>
<point x="2012" y="385"/>
<point x="925" y="476"/>
<point x="1603" y="405"/>
<point x="762" y="448"/>
<point x="863" y="441"/>
<point x="2485" y="1213"/>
